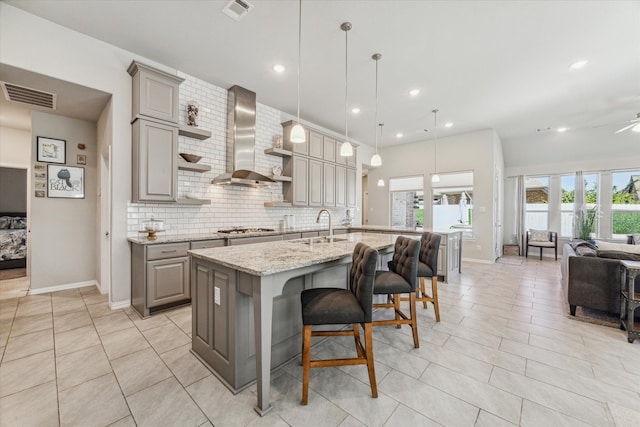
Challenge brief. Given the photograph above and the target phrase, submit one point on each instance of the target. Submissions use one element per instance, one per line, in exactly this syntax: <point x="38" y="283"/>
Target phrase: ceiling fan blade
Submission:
<point x="627" y="127"/>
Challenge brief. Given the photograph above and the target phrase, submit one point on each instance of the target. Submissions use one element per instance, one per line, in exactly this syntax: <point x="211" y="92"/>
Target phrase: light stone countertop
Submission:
<point x="262" y="259"/>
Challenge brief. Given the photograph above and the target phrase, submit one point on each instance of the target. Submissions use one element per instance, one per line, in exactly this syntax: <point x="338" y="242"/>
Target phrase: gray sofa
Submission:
<point x="592" y="278"/>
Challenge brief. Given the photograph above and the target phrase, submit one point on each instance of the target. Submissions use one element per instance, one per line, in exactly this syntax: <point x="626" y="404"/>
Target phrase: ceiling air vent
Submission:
<point x="236" y="9"/>
<point x="26" y="95"/>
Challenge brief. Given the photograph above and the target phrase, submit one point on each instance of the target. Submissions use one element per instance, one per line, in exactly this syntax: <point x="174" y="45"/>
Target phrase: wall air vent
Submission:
<point x="237" y="9"/>
<point x="26" y="95"/>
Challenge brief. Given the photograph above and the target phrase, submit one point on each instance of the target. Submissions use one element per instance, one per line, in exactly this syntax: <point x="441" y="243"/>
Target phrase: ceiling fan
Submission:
<point x="633" y="125"/>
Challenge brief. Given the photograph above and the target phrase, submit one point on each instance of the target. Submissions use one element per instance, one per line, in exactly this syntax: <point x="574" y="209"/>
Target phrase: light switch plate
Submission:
<point x="216" y="295"/>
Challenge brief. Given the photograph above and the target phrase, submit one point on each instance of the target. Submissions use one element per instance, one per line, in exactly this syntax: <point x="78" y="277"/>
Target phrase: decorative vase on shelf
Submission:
<point x="192" y="114"/>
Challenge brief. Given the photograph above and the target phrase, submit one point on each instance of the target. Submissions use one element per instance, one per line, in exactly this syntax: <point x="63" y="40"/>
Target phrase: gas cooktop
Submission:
<point x="239" y="230"/>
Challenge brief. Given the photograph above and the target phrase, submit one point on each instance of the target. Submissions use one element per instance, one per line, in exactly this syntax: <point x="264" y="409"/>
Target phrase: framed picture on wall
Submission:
<point x="65" y="182"/>
<point x="52" y="150"/>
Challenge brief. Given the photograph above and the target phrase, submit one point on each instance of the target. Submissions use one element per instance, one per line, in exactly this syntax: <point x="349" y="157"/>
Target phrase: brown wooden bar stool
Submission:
<point x="400" y="279"/>
<point x="335" y="306"/>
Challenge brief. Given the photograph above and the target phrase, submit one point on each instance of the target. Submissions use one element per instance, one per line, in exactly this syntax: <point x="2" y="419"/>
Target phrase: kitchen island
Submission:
<point x="246" y="303"/>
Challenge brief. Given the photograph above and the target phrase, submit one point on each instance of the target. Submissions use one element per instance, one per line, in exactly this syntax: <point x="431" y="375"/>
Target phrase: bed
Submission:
<point x="13" y="240"/>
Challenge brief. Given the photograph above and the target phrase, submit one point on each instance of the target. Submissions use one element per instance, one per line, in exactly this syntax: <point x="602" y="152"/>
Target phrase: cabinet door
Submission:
<point x="167" y="281"/>
<point x="329" y="178"/>
<point x="341" y="186"/>
<point x="155" y="162"/>
<point x="352" y="160"/>
<point x="316" y="145"/>
<point x="329" y="154"/>
<point x="155" y="93"/>
<point x="351" y="188"/>
<point x="315" y="183"/>
<point x="340" y="159"/>
<point x="300" y="181"/>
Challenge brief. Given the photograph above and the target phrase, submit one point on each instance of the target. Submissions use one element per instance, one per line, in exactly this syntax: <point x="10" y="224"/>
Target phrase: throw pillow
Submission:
<point x="619" y="255"/>
<point x="585" y="251"/>
<point x="576" y="243"/>
<point x="622" y="247"/>
<point x="538" y="236"/>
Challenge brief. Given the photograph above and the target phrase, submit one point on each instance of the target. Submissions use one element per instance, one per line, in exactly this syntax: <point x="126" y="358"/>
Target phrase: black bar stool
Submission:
<point x="400" y="279"/>
<point x="335" y="306"/>
<point x="428" y="267"/>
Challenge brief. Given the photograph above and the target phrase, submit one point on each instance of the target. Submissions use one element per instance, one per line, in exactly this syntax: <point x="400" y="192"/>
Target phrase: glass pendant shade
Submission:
<point x="298" y="134"/>
<point x="376" y="160"/>
<point x="381" y="182"/>
<point x="346" y="149"/>
<point x="435" y="178"/>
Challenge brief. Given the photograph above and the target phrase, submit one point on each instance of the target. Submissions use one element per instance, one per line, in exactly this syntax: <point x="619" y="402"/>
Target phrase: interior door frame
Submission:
<point x="27" y="169"/>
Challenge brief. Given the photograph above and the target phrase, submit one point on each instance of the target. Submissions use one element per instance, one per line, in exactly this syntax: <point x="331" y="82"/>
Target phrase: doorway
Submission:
<point x="14" y="281"/>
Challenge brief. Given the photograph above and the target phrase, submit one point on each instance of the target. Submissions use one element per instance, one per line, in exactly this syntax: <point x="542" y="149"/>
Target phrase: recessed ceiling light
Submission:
<point x="414" y="92"/>
<point x="399" y="135"/>
<point x="448" y="125"/>
<point x="355" y="110"/>
<point x="578" y="65"/>
<point x="562" y="129"/>
<point x="279" y="68"/>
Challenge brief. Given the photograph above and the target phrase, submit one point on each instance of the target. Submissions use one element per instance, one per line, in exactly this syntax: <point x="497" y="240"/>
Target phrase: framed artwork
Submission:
<point x="81" y="159"/>
<point x="52" y="150"/>
<point x="65" y="182"/>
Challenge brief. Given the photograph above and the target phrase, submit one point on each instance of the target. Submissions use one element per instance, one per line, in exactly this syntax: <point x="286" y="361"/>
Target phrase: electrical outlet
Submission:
<point x="216" y="295"/>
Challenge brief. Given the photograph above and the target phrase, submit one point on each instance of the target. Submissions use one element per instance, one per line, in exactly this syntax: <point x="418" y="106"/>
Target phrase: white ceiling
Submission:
<point x="484" y="64"/>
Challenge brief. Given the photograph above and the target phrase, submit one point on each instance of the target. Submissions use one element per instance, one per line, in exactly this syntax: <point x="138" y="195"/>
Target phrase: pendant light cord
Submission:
<point x="346" y="84"/>
<point x="376" y="119"/>
<point x="435" y="141"/>
<point x="299" y="52"/>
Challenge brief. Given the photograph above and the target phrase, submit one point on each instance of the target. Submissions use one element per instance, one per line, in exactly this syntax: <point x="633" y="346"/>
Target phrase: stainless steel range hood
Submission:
<point x="241" y="141"/>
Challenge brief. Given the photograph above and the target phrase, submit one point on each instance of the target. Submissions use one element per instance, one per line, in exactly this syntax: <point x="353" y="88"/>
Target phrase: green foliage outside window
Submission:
<point x="626" y="222"/>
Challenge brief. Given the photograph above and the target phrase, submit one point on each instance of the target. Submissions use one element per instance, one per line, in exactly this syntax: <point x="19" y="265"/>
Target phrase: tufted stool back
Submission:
<point x="362" y="275"/>
<point x="429" y="248"/>
<point x="405" y="259"/>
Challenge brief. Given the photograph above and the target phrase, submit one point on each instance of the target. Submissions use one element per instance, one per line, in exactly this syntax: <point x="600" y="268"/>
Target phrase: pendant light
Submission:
<point x="376" y="160"/>
<point x="381" y="181"/>
<point x="298" y="135"/>
<point x="435" y="177"/>
<point x="346" y="150"/>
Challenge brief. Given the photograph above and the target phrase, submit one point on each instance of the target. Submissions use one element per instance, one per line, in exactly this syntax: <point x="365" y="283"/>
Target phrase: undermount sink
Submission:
<point x="319" y="240"/>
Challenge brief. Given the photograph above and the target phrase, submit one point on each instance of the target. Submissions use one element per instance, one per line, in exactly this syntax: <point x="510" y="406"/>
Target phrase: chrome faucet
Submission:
<point x="330" y="227"/>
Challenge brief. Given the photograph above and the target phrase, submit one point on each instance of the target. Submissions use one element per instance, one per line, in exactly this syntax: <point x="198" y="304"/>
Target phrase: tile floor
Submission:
<point x="504" y="354"/>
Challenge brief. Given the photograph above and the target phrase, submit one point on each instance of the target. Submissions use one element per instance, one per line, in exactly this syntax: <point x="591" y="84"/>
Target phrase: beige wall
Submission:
<point x="62" y="239"/>
<point x="15" y="147"/>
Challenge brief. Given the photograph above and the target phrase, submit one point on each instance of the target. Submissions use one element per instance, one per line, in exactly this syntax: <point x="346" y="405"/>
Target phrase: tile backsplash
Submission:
<point x="230" y="205"/>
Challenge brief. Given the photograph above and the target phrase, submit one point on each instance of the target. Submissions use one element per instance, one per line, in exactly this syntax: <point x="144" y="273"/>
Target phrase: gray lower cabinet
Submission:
<point x="159" y="276"/>
<point x="255" y="239"/>
<point x="155" y="162"/>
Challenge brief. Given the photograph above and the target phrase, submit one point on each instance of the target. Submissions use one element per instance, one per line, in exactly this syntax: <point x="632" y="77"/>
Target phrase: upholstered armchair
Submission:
<point x="541" y="239"/>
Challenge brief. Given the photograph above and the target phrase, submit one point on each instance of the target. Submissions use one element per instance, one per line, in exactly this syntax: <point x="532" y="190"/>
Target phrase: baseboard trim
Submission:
<point x="66" y="286"/>
<point x="119" y="304"/>
<point x="478" y="261"/>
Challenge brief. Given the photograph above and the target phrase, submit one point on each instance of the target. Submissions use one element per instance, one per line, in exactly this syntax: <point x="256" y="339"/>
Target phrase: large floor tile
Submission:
<point x="80" y="366"/>
<point x="184" y="365"/>
<point x="36" y="406"/>
<point x="26" y="325"/>
<point x="166" y="337"/>
<point x="534" y="415"/>
<point x="123" y="342"/>
<point x="33" y="305"/>
<point x="28" y="344"/>
<point x="71" y="320"/>
<point x="98" y="402"/>
<point x="26" y="372"/>
<point x="405" y="416"/>
<point x="76" y="339"/>
<point x="139" y="370"/>
<point x="165" y="403"/>
<point x="112" y="323"/>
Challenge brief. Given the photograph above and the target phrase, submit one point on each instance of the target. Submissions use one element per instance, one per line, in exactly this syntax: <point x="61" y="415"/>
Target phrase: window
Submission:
<point x="567" y="195"/>
<point x="625" y="203"/>
<point x="537" y="203"/>
<point x="453" y="203"/>
<point x="407" y="201"/>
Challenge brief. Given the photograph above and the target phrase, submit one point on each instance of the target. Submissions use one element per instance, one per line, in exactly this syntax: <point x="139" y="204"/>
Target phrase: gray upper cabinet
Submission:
<point x="329" y="154"/>
<point x="155" y="93"/>
<point x="351" y="160"/>
<point x="340" y="159"/>
<point x="351" y="188"/>
<point x="329" y="184"/>
<point x="315" y="183"/>
<point x="155" y="162"/>
<point x="341" y="186"/>
<point x="316" y="145"/>
<point x="298" y="190"/>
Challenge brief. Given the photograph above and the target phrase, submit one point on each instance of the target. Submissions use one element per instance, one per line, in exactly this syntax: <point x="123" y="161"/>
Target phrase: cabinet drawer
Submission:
<point x="171" y="250"/>
<point x="206" y="244"/>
